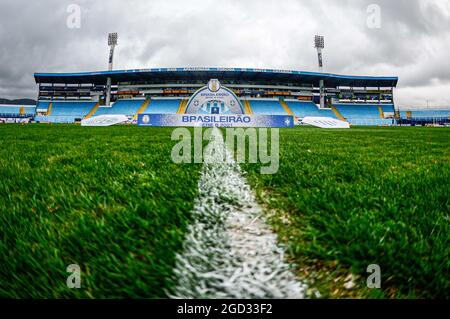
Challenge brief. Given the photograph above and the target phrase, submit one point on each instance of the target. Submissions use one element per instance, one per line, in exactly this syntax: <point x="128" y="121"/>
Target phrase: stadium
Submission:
<point x="72" y="97"/>
<point x="359" y="100"/>
<point x="98" y="202"/>
<point x="356" y="100"/>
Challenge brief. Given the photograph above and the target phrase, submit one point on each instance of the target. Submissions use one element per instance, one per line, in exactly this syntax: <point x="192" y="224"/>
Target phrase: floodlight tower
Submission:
<point x="319" y="44"/>
<point x="112" y="42"/>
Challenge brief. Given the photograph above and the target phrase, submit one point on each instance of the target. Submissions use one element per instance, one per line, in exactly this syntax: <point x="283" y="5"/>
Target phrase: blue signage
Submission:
<point x="216" y="120"/>
<point x="215" y="106"/>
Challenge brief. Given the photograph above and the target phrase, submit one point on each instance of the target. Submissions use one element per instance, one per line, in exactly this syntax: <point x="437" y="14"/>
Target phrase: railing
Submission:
<point x="421" y="121"/>
<point x="15" y="115"/>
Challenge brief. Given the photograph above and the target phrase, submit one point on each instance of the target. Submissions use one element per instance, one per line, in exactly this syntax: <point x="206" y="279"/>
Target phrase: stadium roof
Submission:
<point x="205" y="74"/>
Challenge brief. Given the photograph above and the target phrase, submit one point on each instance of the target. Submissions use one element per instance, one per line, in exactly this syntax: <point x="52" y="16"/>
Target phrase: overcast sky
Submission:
<point x="411" y="39"/>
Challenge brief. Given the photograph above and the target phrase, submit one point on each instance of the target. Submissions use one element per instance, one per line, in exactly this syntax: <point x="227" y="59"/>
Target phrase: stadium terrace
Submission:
<point x="358" y="100"/>
<point x="71" y="97"/>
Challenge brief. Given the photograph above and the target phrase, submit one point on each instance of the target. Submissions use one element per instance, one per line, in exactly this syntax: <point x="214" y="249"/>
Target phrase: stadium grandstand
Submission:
<point x="70" y="97"/>
<point x="359" y="100"/>
<point x="265" y="93"/>
<point x="423" y="117"/>
<point x="17" y="113"/>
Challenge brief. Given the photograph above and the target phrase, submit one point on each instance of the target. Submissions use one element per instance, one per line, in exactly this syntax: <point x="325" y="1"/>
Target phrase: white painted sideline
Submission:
<point x="104" y="120"/>
<point x="325" y="122"/>
<point x="229" y="252"/>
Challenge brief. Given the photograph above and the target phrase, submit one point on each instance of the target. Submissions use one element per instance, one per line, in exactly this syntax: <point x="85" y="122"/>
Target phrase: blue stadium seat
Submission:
<point x="431" y="113"/>
<point x="266" y="107"/>
<point x="388" y="108"/>
<point x="43" y="105"/>
<point x="71" y="109"/>
<point x="403" y="114"/>
<point x="364" y="114"/>
<point x="163" y="106"/>
<point x="14" y="110"/>
<point x="126" y="107"/>
<point x="303" y="109"/>
<point x="10" y="109"/>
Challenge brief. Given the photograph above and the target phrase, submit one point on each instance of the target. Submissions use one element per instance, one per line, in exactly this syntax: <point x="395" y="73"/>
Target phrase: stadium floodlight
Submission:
<point x="112" y="39"/>
<point x="112" y="42"/>
<point x="319" y="44"/>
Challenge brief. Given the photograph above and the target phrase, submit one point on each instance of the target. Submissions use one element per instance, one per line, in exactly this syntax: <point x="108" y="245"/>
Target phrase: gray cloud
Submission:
<point x="413" y="41"/>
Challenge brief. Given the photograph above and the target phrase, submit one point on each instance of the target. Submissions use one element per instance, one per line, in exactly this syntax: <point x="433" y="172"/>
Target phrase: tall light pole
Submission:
<point x="319" y="44"/>
<point x="112" y="42"/>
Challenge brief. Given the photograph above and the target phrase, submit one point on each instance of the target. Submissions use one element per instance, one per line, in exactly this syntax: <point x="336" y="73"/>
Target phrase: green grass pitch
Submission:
<point x="108" y="199"/>
<point x="346" y="199"/>
<point x="112" y="201"/>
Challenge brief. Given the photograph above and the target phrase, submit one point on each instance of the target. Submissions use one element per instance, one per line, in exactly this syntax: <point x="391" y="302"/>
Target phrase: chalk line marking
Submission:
<point x="229" y="252"/>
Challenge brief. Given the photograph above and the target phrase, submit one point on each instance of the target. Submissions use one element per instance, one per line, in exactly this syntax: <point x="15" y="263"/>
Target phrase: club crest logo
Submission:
<point x="214" y="98"/>
<point x="146" y="119"/>
<point x="214" y="85"/>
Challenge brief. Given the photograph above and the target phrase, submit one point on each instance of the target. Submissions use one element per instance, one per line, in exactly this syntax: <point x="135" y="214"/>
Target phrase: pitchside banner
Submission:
<point x="216" y="120"/>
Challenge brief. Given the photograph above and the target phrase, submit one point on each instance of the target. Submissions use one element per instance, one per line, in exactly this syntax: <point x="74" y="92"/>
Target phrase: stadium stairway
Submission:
<point x="380" y="110"/>
<point x="338" y="114"/>
<point x="182" y="107"/>
<point x="49" y="109"/>
<point x="286" y="107"/>
<point x="92" y="112"/>
<point x="141" y="109"/>
<point x="248" y="108"/>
